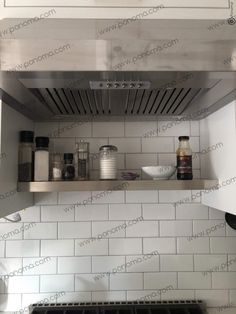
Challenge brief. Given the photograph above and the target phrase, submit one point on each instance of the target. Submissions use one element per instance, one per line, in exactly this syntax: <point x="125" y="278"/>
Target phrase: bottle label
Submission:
<point x="184" y="164"/>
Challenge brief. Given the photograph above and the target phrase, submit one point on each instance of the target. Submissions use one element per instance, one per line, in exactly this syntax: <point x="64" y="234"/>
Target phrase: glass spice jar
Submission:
<point x="69" y="168"/>
<point x="108" y="162"/>
<point x="56" y="167"/>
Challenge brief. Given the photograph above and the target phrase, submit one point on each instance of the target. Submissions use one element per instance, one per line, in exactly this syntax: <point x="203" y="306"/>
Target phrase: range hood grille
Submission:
<point x="83" y="102"/>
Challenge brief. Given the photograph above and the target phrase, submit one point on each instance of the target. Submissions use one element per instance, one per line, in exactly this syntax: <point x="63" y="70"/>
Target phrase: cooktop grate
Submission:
<point x="154" y="307"/>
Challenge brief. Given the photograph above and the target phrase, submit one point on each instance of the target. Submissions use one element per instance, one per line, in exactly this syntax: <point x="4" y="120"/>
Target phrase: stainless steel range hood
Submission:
<point x="148" y="69"/>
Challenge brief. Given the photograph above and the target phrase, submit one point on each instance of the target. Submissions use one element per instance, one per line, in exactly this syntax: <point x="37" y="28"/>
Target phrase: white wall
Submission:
<point x="167" y="228"/>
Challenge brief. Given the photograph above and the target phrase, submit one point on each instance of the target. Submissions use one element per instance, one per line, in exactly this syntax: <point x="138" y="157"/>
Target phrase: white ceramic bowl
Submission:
<point x="160" y="172"/>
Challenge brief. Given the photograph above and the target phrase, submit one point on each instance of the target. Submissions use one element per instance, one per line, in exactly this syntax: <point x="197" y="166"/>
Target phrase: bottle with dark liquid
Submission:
<point x="184" y="159"/>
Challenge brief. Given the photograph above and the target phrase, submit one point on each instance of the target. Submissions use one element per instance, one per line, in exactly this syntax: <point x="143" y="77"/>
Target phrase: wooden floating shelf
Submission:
<point x="70" y="186"/>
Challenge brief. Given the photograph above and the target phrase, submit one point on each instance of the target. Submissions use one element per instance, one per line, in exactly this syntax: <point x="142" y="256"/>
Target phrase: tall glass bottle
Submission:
<point x="26" y="157"/>
<point x="184" y="159"/>
<point x="83" y="160"/>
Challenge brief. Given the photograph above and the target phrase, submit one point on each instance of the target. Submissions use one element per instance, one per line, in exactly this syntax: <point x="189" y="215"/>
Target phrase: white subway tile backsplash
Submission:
<point x="191" y="211"/>
<point x="167" y="159"/>
<point x="142" y="263"/>
<point x="112" y="129"/>
<point x="2" y="286"/>
<point x="57" y="213"/>
<point x="11" y="231"/>
<point x="22" y="248"/>
<point x="41" y="231"/>
<point x="53" y="283"/>
<point x="172" y="294"/>
<point x="2" y="248"/>
<point x="23" y="284"/>
<point x="72" y="230"/>
<point x="108" y="229"/>
<point x="126" y="145"/>
<point x="141" y="196"/>
<point x="39" y="266"/>
<point x="45" y="198"/>
<point x="191" y="245"/>
<point x="76" y="297"/>
<point x="175" y="197"/>
<point x="141" y="129"/>
<point x="209" y="263"/>
<point x="63" y="145"/>
<point x="161" y="245"/>
<point x="158" y="211"/>
<point x="137" y="161"/>
<point x="143" y="229"/>
<point x="124" y="211"/>
<point x="30" y="214"/>
<point x="232" y="262"/>
<point x="75" y="129"/>
<point x="49" y="129"/>
<point x="76" y="198"/>
<point x="126" y="281"/>
<point x="193" y="280"/>
<point x="8" y="265"/>
<point x="223" y="245"/>
<point x="104" y="264"/>
<point x="160" y="144"/>
<point x="175" y="228"/>
<point x="91" y="247"/>
<point x="94" y="145"/>
<point x="160" y="280"/>
<point x="10" y="302"/>
<point x="108" y="296"/>
<point x="125" y="246"/>
<point x="232" y="297"/>
<point x="216" y="214"/>
<point x="171" y="128"/>
<point x="68" y="265"/>
<point x="230" y="232"/>
<point x="213" y="298"/>
<point x="88" y="283"/>
<point x="111" y="197"/>
<point x="194" y="128"/>
<point x="142" y="295"/>
<point x="92" y="212"/>
<point x="224" y="280"/>
<point x="57" y="248"/>
<point x="206" y="228"/>
<point x="176" y="263"/>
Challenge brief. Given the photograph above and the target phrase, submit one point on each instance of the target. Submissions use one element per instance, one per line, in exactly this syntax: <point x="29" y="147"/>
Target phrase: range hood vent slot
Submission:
<point x="106" y="102"/>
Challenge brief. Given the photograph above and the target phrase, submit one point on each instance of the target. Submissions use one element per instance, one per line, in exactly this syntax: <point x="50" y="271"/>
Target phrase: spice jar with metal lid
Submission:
<point x="69" y="169"/>
<point x="108" y="162"/>
<point x="83" y="160"/>
<point x="26" y="157"/>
